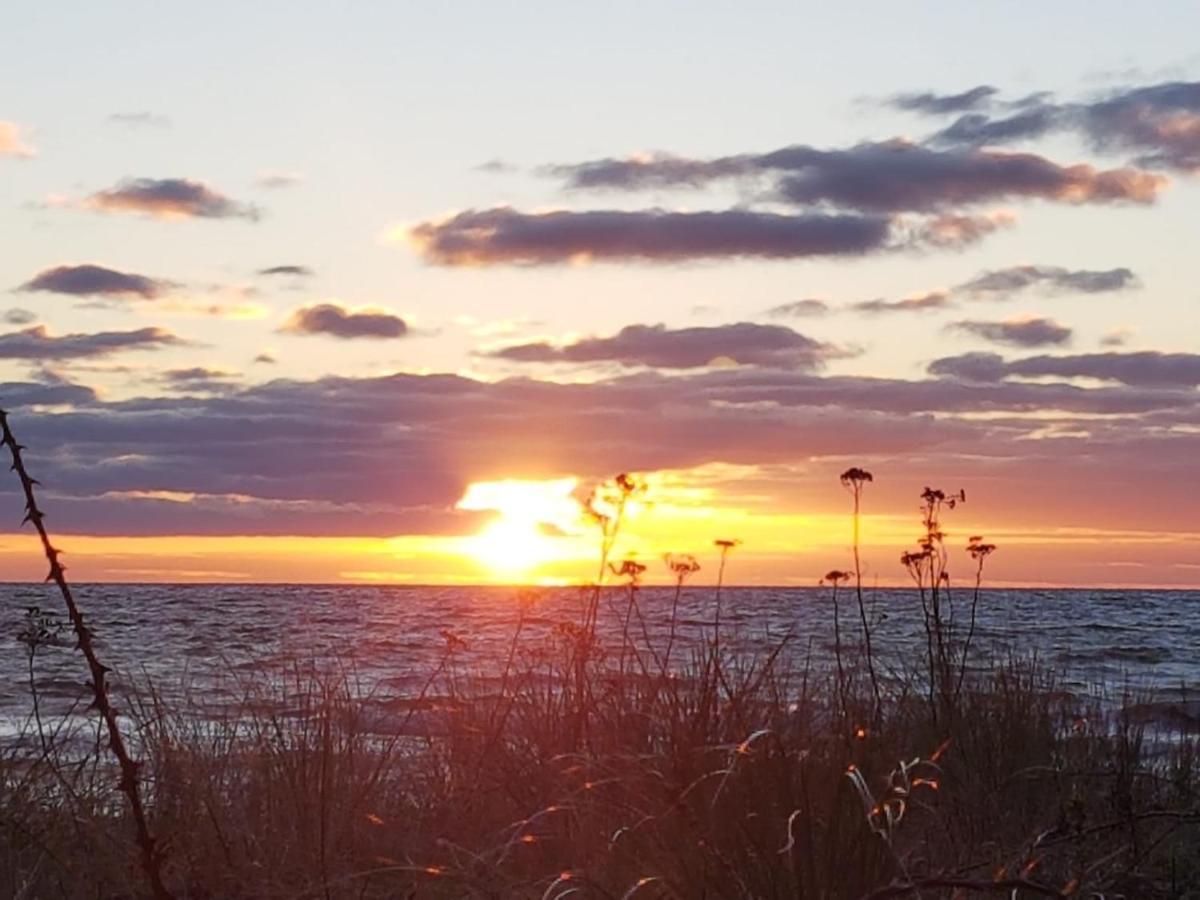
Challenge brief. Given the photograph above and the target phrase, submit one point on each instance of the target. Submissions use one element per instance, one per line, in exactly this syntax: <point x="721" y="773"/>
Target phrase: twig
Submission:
<point x="128" y="784"/>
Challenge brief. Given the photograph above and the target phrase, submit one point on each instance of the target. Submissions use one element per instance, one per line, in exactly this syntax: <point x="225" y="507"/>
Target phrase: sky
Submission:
<point x="317" y="292"/>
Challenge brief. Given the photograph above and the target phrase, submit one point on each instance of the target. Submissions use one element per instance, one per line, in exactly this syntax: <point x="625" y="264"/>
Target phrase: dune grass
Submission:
<point x="751" y="783"/>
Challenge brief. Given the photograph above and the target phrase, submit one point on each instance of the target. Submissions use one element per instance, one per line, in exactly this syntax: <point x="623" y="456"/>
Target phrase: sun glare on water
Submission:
<point x="535" y="522"/>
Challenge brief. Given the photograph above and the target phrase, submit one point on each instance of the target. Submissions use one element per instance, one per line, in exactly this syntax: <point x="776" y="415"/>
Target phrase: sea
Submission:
<point x="226" y="640"/>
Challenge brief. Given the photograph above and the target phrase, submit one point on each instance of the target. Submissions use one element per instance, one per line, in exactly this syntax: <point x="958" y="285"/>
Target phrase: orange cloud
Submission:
<point x="11" y="143"/>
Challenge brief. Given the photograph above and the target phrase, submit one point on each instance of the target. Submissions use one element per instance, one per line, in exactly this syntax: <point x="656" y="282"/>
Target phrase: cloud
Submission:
<point x="656" y="346"/>
<point x="799" y="308"/>
<point x="37" y="343"/>
<point x="941" y="104"/>
<point x="296" y="271"/>
<point x="169" y="198"/>
<point x="1017" y="332"/>
<point x="18" y="316"/>
<point x="496" y="167"/>
<point x="57" y="393"/>
<point x="975" y="366"/>
<point x="953" y="231"/>
<point x="1142" y="369"/>
<point x="277" y="180"/>
<point x="88" y="280"/>
<point x="140" y="120"/>
<point x="1161" y="122"/>
<point x="660" y="170"/>
<point x="337" y="321"/>
<point x="1116" y="337"/>
<point x="199" y="378"/>
<point x="977" y="130"/>
<point x="1003" y="283"/>
<point x="265" y="358"/>
<point x="505" y="235"/>
<point x="919" y="303"/>
<point x="1158" y="123"/>
<point x="888" y="176"/>
<point x="901" y="176"/>
<point x="11" y="142"/>
<point x="1049" y="278"/>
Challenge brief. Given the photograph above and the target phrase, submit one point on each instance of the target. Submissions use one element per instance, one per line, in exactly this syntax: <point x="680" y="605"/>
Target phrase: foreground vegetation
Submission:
<point x="732" y="782"/>
<point x="614" y="767"/>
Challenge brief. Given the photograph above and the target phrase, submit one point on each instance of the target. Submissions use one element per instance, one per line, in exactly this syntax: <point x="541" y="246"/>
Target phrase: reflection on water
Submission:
<point x="392" y="636"/>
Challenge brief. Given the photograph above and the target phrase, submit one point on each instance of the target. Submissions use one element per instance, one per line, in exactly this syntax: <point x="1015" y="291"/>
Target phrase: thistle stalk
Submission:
<point x="152" y="857"/>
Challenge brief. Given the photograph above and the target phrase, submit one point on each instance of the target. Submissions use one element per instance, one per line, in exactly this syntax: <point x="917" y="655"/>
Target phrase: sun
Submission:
<point x="511" y="547"/>
<point x="535" y="526"/>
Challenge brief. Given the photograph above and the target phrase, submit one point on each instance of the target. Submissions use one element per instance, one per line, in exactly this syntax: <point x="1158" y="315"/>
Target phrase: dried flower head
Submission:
<point x="978" y="549"/>
<point x="682" y="564"/>
<point x="856" y="477"/>
<point x="627" y="484"/>
<point x="629" y="568"/>
<point x="39" y="629"/>
<point x="835" y="577"/>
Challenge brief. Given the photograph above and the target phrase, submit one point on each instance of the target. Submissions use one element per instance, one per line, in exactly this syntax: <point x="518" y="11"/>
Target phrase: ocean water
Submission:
<point x="184" y="637"/>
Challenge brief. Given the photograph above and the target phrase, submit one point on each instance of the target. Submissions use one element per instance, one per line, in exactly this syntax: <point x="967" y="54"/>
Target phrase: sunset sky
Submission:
<point x="378" y="291"/>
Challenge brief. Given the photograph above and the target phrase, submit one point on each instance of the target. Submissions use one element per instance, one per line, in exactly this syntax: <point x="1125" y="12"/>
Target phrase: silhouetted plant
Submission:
<point x="979" y="551"/>
<point x="606" y="506"/>
<point x="631" y="570"/>
<point x="835" y="579"/>
<point x="682" y="566"/>
<point x="724" y="545"/>
<point x="39" y="629"/>
<point x="947" y="656"/>
<point x="853" y="479"/>
<point x="928" y="566"/>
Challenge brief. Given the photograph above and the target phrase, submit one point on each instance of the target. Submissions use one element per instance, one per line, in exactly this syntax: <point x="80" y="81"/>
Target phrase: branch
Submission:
<point x="128" y="784"/>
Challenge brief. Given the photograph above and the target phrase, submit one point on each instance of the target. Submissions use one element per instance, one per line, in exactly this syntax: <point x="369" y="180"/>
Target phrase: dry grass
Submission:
<point x="697" y="783"/>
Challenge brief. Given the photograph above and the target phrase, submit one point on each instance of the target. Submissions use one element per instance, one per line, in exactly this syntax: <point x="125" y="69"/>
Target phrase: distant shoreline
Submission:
<point x="994" y="588"/>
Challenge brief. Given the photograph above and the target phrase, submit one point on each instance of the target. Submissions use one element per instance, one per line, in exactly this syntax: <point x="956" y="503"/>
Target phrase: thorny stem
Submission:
<point x="128" y="784"/>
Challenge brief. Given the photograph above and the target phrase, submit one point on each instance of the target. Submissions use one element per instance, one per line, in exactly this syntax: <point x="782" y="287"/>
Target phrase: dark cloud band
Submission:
<point x="505" y="235"/>
<point x="1142" y="369"/>
<point x="743" y="343"/>
<point x="885" y="176"/>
